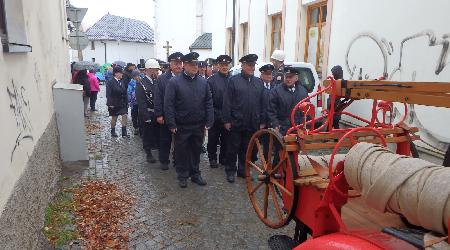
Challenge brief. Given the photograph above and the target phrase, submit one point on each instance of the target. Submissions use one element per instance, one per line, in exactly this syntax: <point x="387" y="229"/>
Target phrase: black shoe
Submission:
<point x="124" y="132"/>
<point x="198" y="180"/>
<point x="213" y="164"/>
<point x="241" y="175"/>
<point x="136" y="131"/>
<point x="164" y="166"/>
<point x="113" y="133"/>
<point x="230" y="178"/>
<point x="182" y="183"/>
<point x="150" y="158"/>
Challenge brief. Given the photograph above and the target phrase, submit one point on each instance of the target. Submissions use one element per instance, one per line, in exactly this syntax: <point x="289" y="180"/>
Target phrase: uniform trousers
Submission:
<point x="149" y="131"/>
<point x="188" y="147"/>
<point x="217" y="134"/>
<point x="165" y="143"/>
<point x="237" y="146"/>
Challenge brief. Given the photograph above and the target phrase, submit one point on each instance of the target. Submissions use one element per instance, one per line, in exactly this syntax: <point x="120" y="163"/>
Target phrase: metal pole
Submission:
<point x="233" y="32"/>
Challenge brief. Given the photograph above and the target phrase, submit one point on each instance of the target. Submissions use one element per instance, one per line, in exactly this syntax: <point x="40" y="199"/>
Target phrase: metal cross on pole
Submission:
<point x="167" y="47"/>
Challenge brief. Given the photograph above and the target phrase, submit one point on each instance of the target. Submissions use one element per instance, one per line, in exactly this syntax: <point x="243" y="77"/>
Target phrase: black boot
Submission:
<point x="124" y="132"/>
<point x="113" y="133"/>
<point x="182" y="183"/>
<point x="150" y="158"/>
<point x="230" y="177"/>
<point x="213" y="164"/>
<point x="198" y="180"/>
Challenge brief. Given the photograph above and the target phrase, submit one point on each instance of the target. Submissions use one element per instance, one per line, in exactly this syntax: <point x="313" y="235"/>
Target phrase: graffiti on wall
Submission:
<point x="20" y="106"/>
<point x="386" y="51"/>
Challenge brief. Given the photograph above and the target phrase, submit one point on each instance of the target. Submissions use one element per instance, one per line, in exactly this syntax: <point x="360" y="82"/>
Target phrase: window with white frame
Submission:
<point x="12" y="27"/>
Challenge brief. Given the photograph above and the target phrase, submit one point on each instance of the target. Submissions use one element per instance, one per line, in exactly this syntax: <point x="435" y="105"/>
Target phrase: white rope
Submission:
<point x="415" y="188"/>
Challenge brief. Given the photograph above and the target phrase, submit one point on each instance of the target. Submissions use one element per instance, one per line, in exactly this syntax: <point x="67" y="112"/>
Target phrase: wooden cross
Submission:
<point x="167" y="47"/>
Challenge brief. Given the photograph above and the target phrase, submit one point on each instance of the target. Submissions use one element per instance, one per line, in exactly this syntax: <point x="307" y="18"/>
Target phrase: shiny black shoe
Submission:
<point x="113" y="133"/>
<point x="230" y="178"/>
<point x="124" y="132"/>
<point x="182" y="183"/>
<point x="198" y="180"/>
<point x="151" y="159"/>
<point x="164" y="166"/>
<point x="213" y="164"/>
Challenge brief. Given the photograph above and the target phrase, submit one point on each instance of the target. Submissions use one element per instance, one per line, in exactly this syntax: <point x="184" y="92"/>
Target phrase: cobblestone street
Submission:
<point x="218" y="216"/>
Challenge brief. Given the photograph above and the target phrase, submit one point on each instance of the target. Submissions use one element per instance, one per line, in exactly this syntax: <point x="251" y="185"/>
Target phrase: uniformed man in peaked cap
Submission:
<point x="218" y="134"/>
<point x="189" y="112"/>
<point x="243" y="112"/>
<point x="165" y="136"/>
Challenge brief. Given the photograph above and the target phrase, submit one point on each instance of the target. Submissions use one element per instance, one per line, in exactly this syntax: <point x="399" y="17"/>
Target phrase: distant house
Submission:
<point x="119" y="38"/>
<point x="203" y="46"/>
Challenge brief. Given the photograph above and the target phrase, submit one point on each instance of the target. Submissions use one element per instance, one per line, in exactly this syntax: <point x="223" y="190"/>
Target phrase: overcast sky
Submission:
<point x="137" y="9"/>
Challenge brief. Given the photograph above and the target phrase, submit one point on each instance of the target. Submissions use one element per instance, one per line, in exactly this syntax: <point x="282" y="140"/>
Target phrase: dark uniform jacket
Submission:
<point x="266" y="101"/>
<point x="161" y="83"/>
<point x="282" y="101"/>
<point x="188" y="101"/>
<point x="116" y="94"/>
<point x="278" y="76"/>
<point x="243" y="102"/>
<point x="126" y="78"/>
<point x="145" y="93"/>
<point x="217" y="84"/>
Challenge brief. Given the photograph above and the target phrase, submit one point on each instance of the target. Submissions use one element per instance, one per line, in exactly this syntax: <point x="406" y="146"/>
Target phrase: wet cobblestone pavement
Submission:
<point x="217" y="216"/>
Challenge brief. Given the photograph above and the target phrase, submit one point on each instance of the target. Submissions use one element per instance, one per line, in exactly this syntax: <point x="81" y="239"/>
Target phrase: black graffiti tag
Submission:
<point x="21" y="109"/>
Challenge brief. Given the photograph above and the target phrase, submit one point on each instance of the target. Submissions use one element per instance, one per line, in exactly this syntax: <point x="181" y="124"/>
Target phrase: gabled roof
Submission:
<point x="202" y="42"/>
<point x="111" y="27"/>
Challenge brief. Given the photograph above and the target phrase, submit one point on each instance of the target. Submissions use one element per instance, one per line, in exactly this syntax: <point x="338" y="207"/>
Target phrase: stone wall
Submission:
<point x="22" y="220"/>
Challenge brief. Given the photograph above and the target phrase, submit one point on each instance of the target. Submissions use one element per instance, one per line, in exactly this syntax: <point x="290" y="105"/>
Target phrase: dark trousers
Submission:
<point x="93" y="99"/>
<point x="188" y="147"/>
<point x="135" y="116"/>
<point x="237" y="146"/>
<point x="217" y="134"/>
<point x="165" y="143"/>
<point x="149" y="131"/>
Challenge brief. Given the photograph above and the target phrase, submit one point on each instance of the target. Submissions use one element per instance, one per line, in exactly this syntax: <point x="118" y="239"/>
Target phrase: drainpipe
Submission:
<point x="104" y="43"/>
<point x="233" y="32"/>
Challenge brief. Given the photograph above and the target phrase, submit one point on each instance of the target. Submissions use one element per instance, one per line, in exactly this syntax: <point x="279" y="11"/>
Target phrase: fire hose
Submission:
<point x="417" y="189"/>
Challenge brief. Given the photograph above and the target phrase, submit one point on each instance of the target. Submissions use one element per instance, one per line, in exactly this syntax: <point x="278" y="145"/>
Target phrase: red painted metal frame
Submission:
<point x="320" y="209"/>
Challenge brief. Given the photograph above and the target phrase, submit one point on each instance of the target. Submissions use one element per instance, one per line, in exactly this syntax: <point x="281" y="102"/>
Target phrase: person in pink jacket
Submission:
<point x="95" y="88"/>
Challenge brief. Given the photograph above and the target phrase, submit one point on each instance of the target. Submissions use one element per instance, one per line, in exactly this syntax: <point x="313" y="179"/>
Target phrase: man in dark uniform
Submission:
<point x="218" y="83"/>
<point x="127" y="74"/>
<point x="277" y="59"/>
<point x="283" y="99"/>
<point x="266" y="77"/>
<point x="243" y="114"/>
<point x="165" y="136"/>
<point x="189" y="112"/>
<point x="202" y="68"/>
<point x="145" y="99"/>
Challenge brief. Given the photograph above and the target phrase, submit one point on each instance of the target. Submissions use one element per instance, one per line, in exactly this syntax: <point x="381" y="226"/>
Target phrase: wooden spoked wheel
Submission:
<point x="270" y="178"/>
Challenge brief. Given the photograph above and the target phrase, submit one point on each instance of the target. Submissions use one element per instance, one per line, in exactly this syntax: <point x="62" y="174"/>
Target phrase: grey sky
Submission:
<point x="136" y="9"/>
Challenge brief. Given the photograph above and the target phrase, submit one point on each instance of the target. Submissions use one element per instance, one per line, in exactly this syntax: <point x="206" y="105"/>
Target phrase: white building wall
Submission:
<point x="215" y="23"/>
<point x="257" y="29"/>
<point x="119" y="50"/>
<point x="26" y="97"/>
<point x="274" y="6"/>
<point x="204" y="53"/>
<point x="175" y="22"/>
<point x="360" y="35"/>
<point x="291" y="30"/>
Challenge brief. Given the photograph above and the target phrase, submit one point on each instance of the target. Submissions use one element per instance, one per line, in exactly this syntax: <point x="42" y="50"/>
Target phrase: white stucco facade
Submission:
<point x="26" y="101"/>
<point x="368" y="45"/>
<point x="360" y="34"/>
<point x="171" y="24"/>
<point x="118" y="50"/>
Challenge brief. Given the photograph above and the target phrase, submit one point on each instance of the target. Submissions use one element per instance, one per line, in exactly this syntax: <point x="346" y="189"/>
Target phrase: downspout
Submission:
<point x="233" y="33"/>
<point x="104" y="43"/>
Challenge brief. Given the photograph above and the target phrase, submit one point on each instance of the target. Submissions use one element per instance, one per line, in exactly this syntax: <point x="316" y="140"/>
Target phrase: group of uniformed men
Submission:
<point x="183" y="105"/>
